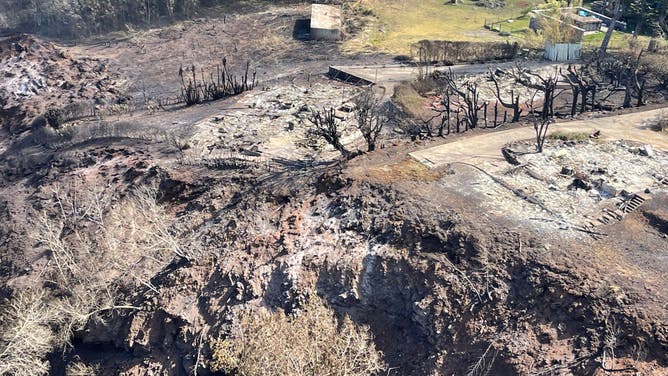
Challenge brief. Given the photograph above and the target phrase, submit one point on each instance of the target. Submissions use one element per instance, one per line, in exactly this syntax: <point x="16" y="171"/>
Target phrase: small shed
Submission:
<point x="325" y="22"/>
<point x="584" y="22"/>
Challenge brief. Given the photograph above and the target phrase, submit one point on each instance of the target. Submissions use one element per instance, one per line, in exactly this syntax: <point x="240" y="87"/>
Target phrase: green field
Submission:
<point x="399" y="23"/>
<point x="618" y="40"/>
<point x="402" y="23"/>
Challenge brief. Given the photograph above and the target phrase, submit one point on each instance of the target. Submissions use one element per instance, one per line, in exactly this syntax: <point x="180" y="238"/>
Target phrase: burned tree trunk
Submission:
<point x="369" y="119"/>
<point x="514" y="103"/>
<point x="468" y="93"/>
<point x="326" y="126"/>
<point x="579" y="87"/>
<point x="546" y="85"/>
<point x="541" y="127"/>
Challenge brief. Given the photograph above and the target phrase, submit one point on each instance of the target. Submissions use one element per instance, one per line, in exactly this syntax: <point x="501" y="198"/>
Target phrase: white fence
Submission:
<point x="563" y="51"/>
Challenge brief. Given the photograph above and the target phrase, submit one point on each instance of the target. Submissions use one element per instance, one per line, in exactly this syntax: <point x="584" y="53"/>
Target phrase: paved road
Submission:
<point x="487" y="147"/>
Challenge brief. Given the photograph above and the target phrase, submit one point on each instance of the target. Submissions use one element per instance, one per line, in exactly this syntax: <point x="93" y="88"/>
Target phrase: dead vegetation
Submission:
<point x="328" y="124"/>
<point x="358" y="241"/>
<point x="26" y="336"/>
<point x="660" y="124"/>
<point x="95" y="250"/>
<point x="221" y="85"/>
<point x="312" y="341"/>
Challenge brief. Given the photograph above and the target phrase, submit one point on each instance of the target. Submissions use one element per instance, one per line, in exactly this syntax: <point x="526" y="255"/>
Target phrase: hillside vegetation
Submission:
<point x="81" y="18"/>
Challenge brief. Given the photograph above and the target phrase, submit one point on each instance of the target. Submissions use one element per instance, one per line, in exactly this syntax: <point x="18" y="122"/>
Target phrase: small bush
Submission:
<point x="25" y="334"/>
<point x="313" y="342"/>
<point x="569" y="136"/>
<point x="81" y="369"/>
<point x="54" y="116"/>
<point x="660" y="124"/>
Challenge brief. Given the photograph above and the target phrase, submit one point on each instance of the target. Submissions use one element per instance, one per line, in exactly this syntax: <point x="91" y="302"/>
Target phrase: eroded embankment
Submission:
<point x="441" y="293"/>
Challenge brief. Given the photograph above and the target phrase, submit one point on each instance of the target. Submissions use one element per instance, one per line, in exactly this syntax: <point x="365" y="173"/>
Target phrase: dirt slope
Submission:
<point x="454" y="269"/>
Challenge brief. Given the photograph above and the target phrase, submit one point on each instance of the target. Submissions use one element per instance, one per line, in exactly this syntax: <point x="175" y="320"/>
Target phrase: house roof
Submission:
<point x="582" y="19"/>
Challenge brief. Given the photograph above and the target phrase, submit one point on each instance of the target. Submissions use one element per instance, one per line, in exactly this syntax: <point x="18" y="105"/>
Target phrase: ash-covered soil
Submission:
<point x="37" y="75"/>
<point x="175" y="223"/>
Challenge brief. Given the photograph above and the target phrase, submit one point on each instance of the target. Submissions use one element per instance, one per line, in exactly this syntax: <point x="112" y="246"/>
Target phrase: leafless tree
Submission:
<point x="514" y="103"/>
<point x="580" y="86"/>
<point x="541" y="127"/>
<point x="468" y="98"/>
<point x="327" y="127"/>
<point x="370" y="120"/>
<point x="546" y="84"/>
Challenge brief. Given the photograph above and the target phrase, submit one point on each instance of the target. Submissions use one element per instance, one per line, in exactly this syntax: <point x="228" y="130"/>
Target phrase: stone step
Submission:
<point x="614" y="214"/>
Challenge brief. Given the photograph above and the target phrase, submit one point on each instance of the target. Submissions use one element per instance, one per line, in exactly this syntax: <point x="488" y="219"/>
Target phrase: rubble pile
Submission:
<point x="272" y="123"/>
<point x="575" y="180"/>
<point x="37" y="75"/>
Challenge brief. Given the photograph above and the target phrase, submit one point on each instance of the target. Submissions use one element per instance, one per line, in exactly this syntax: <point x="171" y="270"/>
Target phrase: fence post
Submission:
<point x="457" y="121"/>
<point x="485" y="113"/>
<point x="496" y="113"/>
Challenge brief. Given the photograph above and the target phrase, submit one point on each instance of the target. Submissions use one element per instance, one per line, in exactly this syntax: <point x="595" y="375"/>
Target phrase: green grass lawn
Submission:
<point x="401" y="23"/>
<point x="618" y="40"/>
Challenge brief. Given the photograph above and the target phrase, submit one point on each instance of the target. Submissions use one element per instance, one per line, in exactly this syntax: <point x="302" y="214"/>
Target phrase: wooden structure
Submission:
<point x="585" y="22"/>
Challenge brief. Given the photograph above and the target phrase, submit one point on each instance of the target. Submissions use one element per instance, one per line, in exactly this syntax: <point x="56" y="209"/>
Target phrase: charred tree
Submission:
<point x="514" y="103"/>
<point x="541" y="127"/>
<point x="221" y="84"/>
<point x="370" y="120"/>
<point x="468" y="98"/>
<point x="328" y="128"/>
<point x="580" y="86"/>
<point x="546" y="85"/>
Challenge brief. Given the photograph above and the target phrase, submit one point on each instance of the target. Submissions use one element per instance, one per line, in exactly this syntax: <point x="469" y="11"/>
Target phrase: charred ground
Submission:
<point x="450" y="270"/>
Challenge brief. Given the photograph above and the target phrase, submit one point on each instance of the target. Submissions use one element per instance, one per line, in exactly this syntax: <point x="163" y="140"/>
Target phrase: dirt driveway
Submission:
<point x="487" y="147"/>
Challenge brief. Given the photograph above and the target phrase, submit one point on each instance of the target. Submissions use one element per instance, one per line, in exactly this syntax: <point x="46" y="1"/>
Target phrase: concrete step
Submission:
<point x="613" y="215"/>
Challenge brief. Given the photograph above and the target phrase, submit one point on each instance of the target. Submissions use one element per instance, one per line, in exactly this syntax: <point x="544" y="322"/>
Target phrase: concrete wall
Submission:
<point x="326" y="22"/>
<point x="325" y="34"/>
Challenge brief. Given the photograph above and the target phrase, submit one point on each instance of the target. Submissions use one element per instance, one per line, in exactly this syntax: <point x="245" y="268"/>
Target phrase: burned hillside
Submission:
<point x="201" y="198"/>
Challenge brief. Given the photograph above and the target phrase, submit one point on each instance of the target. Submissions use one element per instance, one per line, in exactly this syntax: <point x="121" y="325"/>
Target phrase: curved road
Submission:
<point x="487" y="146"/>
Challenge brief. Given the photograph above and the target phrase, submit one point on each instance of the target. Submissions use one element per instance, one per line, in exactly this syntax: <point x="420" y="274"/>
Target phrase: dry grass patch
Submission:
<point x="411" y="102"/>
<point x="408" y="169"/>
<point x="312" y="342"/>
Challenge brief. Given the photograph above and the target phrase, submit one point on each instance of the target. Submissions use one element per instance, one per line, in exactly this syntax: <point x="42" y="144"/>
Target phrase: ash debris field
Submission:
<point x="200" y="198"/>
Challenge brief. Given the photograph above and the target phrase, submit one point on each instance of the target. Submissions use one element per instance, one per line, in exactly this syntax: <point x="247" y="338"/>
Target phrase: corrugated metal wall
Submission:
<point x="563" y="51"/>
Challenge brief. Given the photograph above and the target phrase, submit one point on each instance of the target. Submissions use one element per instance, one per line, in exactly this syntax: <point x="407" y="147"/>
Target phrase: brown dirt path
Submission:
<point x="487" y="147"/>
